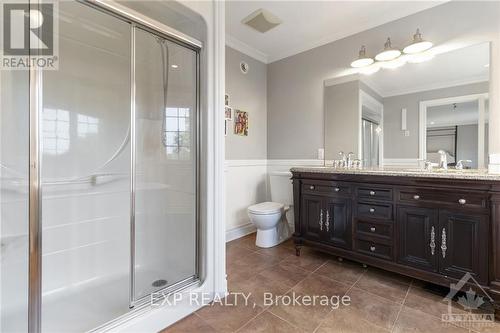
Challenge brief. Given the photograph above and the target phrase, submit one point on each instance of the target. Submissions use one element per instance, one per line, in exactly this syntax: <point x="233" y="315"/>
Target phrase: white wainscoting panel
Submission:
<point x="401" y="162"/>
<point x="247" y="183"/>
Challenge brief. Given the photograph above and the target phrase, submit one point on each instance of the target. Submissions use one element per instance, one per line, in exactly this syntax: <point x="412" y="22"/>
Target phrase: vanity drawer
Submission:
<point x="325" y="187"/>
<point x="374" y="211"/>
<point x="448" y="198"/>
<point x="373" y="249"/>
<point x="374" y="193"/>
<point x="374" y="229"/>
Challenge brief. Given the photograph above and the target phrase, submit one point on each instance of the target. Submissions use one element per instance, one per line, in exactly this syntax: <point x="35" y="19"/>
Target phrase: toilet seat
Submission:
<point x="266" y="208"/>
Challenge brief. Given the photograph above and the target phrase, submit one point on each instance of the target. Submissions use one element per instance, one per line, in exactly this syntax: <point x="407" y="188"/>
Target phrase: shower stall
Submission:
<point x="99" y="173"/>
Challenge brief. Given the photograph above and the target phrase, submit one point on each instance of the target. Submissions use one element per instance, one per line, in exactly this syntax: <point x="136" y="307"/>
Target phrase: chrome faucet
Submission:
<point x="343" y="159"/>
<point x="443" y="161"/>
<point x="350" y="159"/>
<point x="460" y="164"/>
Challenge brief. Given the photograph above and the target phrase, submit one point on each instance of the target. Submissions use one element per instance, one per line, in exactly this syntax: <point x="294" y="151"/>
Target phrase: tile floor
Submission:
<point x="380" y="301"/>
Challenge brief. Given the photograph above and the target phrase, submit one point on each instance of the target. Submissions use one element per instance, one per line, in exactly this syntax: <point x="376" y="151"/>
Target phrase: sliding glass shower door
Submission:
<point x="98" y="173"/>
<point x="85" y="152"/>
<point x="165" y="137"/>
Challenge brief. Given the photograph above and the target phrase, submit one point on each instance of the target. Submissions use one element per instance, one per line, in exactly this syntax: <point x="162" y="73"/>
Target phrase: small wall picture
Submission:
<point x="240" y="122"/>
<point x="226" y="100"/>
<point x="228" y="112"/>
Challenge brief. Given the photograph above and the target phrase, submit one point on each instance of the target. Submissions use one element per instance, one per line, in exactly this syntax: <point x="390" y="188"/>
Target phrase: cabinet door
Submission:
<point x="418" y="237"/>
<point x="312" y="217"/>
<point x="463" y="245"/>
<point x="338" y="222"/>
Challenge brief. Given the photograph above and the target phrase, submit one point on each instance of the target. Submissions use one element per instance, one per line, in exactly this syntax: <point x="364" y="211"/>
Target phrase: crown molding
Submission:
<point x="250" y="51"/>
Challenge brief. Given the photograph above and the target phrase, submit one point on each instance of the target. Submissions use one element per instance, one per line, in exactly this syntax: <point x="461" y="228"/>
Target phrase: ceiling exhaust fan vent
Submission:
<point x="261" y="20"/>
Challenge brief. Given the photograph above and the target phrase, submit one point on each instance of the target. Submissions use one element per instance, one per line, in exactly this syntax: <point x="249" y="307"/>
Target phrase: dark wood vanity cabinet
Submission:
<point x="327" y="219"/>
<point x="431" y="229"/>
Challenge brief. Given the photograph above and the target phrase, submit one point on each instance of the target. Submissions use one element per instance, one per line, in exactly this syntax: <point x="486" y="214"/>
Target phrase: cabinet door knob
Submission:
<point x="372" y="229"/>
<point x="416" y="197"/>
<point x="372" y="193"/>
<point x="372" y="210"/>
<point x="462" y="201"/>
<point x="337" y="189"/>
<point x="372" y="248"/>
<point x="311" y="187"/>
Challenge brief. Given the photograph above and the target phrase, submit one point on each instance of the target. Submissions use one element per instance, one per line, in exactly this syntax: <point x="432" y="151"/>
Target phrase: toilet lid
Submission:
<point x="266" y="208"/>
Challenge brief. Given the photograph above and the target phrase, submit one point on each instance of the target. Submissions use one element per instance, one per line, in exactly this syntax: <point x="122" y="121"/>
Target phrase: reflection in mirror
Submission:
<point x="435" y="110"/>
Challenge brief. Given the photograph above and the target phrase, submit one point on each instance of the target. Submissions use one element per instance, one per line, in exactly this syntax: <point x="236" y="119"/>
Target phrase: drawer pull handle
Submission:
<point x="432" y="245"/>
<point x="372" y="210"/>
<point x="372" y="229"/>
<point x="337" y="189"/>
<point x="311" y="187"/>
<point x="416" y="197"/>
<point x="462" y="201"/>
<point x="372" y="193"/>
<point x="372" y="248"/>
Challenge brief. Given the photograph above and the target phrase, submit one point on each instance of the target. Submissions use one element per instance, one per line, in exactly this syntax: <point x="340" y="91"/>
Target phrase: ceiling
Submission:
<point x="457" y="67"/>
<point x="309" y="24"/>
<point x="466" y="113"/>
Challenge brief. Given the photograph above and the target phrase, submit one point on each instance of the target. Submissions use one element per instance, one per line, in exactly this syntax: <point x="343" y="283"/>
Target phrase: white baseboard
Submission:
<point x="244" y="230"/>
<point x="239" y="232"/>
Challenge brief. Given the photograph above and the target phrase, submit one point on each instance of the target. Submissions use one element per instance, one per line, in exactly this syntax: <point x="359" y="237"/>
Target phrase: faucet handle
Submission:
<point x="427" y="165"/>
<point x="460" y="164"/>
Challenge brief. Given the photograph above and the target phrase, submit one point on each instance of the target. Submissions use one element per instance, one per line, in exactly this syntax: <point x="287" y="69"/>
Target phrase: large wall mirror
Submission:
<point x="421" y="109"/>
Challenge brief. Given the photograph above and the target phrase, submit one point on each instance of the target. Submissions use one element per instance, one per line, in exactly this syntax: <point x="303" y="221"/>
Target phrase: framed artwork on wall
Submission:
<point x="240" y="122"/>
<point x="226" y="100"/>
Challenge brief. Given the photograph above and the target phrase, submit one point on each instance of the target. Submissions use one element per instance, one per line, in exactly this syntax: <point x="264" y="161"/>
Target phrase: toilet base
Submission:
<point x="272" y="237"/>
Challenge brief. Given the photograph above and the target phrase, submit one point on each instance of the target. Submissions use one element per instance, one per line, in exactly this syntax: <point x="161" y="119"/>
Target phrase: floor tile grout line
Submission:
<point x="286" y="321"/>
<point x="328" y="314"/>
<point x="401" y="307"/>
<point x="248" y="321"/>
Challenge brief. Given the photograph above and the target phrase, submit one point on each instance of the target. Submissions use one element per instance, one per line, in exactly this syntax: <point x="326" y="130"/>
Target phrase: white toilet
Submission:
<point x="270" y="217"/>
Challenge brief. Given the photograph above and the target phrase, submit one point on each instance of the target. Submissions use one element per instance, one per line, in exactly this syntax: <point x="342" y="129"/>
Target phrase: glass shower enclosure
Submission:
<point x="98" y="173"/>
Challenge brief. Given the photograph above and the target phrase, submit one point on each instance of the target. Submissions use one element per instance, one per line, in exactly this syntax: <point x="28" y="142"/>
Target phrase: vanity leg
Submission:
<point x="297" y="250"/>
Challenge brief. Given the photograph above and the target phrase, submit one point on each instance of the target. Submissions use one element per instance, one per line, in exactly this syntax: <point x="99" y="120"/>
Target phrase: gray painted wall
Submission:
<point x="295" y="84"/>
<point x="247" y="93"/>
<point x="407" y="146"/>
<point x="341" y="119"/>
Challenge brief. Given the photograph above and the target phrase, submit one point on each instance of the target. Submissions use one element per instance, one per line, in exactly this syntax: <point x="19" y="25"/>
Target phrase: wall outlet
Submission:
<point x="321" y="153"/>
<point x="407" y="133"/>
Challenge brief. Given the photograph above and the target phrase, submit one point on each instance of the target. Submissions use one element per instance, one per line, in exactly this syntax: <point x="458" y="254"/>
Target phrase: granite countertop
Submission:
<point x="468" y="174"/>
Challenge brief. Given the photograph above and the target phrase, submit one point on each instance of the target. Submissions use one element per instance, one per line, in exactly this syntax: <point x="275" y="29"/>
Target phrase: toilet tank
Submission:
<point x="281" y="187"/>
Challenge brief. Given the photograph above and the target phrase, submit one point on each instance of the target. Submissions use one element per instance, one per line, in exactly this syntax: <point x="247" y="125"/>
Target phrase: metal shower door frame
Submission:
<point x="136" y="20"/>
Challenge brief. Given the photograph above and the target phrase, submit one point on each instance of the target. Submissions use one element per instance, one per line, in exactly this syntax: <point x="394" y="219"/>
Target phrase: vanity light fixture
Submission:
<point x="418" y="44"/>
<point x="369" y="70"/>
<point x="389" y="53"/>
<point x="418" y="58"/>
<point x="362" y="60"/>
